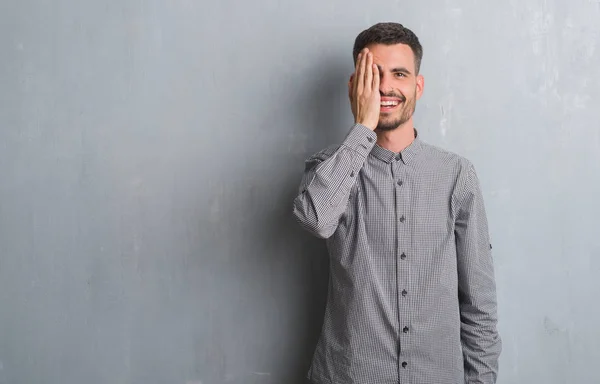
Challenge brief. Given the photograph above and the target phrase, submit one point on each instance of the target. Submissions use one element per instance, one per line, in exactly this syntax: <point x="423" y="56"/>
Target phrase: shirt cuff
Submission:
<point x="361" y="139"/>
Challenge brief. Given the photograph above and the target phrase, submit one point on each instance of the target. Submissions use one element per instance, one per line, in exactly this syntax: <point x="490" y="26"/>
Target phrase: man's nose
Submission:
<point x="385" y="85"/>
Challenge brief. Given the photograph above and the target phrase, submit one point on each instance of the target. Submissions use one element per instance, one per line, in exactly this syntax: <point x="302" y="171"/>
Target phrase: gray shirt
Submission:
<point x="412" y="297"/>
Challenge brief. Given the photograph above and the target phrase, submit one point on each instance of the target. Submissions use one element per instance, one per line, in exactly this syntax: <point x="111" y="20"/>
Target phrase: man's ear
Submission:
<point x="420" y="85"/>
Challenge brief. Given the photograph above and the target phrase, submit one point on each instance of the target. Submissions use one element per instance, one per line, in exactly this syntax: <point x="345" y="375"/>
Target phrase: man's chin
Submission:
<point x="388" y="125"/>
<point x="385" y="127"/>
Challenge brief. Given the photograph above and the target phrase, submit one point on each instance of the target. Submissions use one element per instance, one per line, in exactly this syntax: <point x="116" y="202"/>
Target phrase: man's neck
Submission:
<point x="397" y="139"/>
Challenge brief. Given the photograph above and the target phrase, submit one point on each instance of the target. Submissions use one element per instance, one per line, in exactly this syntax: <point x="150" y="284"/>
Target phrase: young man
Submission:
<point x="412" y="296"/>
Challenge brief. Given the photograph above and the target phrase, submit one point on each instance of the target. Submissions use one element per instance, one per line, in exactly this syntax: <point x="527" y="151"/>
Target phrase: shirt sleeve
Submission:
<point x="480" y="340"/>
<point x="327" y="180"/>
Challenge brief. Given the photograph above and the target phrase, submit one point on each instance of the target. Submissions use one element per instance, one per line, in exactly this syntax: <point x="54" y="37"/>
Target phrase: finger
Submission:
<point x="355" y="75"/>
<point x="361" y="74"/>
<point x="356" y="70"/>
<point x="369" y="72"/>
<point x="357" y="62"/>
<point x="376" y="78"/>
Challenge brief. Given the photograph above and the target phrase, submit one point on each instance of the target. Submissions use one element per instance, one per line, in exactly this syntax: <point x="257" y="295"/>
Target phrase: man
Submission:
<point x="412" y="295"/>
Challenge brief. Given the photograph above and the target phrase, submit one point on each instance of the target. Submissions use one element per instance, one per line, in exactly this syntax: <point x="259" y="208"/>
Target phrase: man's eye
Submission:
<point x="398" y="74"/>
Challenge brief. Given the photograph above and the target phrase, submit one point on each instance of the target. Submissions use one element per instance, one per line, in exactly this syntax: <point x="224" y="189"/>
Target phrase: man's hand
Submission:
<point x="363" y="90"/>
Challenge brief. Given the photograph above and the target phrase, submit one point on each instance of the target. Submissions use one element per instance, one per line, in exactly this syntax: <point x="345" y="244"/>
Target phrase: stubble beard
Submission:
<point x="406" y="113"/>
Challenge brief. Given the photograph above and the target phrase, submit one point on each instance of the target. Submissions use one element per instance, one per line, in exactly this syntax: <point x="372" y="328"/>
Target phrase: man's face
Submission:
<point x="400" y="86"/>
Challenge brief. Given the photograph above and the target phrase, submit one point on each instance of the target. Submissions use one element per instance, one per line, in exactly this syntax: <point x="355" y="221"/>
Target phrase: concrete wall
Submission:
<point x="150" y="152"/>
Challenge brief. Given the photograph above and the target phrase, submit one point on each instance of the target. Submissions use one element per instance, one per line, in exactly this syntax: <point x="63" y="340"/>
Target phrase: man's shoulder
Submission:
<point x="442" y="156"/>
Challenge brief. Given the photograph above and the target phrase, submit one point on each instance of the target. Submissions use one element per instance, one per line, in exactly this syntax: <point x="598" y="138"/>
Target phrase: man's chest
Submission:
<point x="399" y="203"/>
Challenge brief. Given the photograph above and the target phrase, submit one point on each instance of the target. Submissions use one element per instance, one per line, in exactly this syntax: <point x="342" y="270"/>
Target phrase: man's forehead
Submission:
<point x="392" y="56"/>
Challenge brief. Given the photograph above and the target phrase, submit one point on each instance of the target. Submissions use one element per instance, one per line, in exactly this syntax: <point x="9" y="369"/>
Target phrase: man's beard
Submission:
<point x="408" y="109"/>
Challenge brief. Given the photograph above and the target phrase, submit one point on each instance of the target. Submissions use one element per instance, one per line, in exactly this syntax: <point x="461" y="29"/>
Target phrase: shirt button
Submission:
<point x="370" y="139"/>
<point x="404" y="293"/>
<point x="402" y="219"/>
<point x="405" y="330"/>
<point x="398" y="157"/>
<point x="404" y="364"/>
<point x="352" y="174"/>
<point x="400" y="182"/>
<point x="403" y="256"/>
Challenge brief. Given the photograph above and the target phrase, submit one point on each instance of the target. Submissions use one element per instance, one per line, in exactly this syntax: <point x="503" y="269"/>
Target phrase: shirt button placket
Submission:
<point x="402" y="269"/>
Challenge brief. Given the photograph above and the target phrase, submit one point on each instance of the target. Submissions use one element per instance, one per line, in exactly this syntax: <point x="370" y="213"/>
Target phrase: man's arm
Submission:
<point x="476" y="286"/>
<point x="329" y="175"/>
<point x="327" y="181"/>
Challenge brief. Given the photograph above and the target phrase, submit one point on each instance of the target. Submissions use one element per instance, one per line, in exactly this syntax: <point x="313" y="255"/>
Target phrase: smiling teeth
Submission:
<point x="389" y="103"/>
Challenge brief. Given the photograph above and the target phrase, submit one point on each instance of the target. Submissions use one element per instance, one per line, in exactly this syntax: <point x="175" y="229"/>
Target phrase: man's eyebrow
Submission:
<point x="396" y="70"/>
<point x="401" y="70"/>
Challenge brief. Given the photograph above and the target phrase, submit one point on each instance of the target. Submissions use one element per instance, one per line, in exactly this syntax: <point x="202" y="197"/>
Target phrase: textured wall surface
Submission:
<point x="150" y="152"/>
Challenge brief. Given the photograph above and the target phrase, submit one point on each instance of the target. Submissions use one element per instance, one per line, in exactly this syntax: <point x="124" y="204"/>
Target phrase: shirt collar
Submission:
<point x="407" y="155"/>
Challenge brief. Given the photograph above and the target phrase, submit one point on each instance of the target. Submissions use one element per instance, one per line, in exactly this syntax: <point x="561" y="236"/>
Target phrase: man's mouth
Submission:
<point x="388" y="105"/>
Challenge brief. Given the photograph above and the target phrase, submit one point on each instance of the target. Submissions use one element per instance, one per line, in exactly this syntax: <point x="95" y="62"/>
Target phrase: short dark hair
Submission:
<point x="389" y="34"/>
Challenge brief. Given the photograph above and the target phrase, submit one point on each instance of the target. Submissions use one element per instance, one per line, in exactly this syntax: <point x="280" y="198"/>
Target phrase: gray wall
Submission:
<point x="150" y="152"/>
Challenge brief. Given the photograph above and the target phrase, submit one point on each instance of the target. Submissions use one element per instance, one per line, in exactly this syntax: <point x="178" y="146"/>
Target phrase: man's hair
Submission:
<point x="389" y="34"/>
